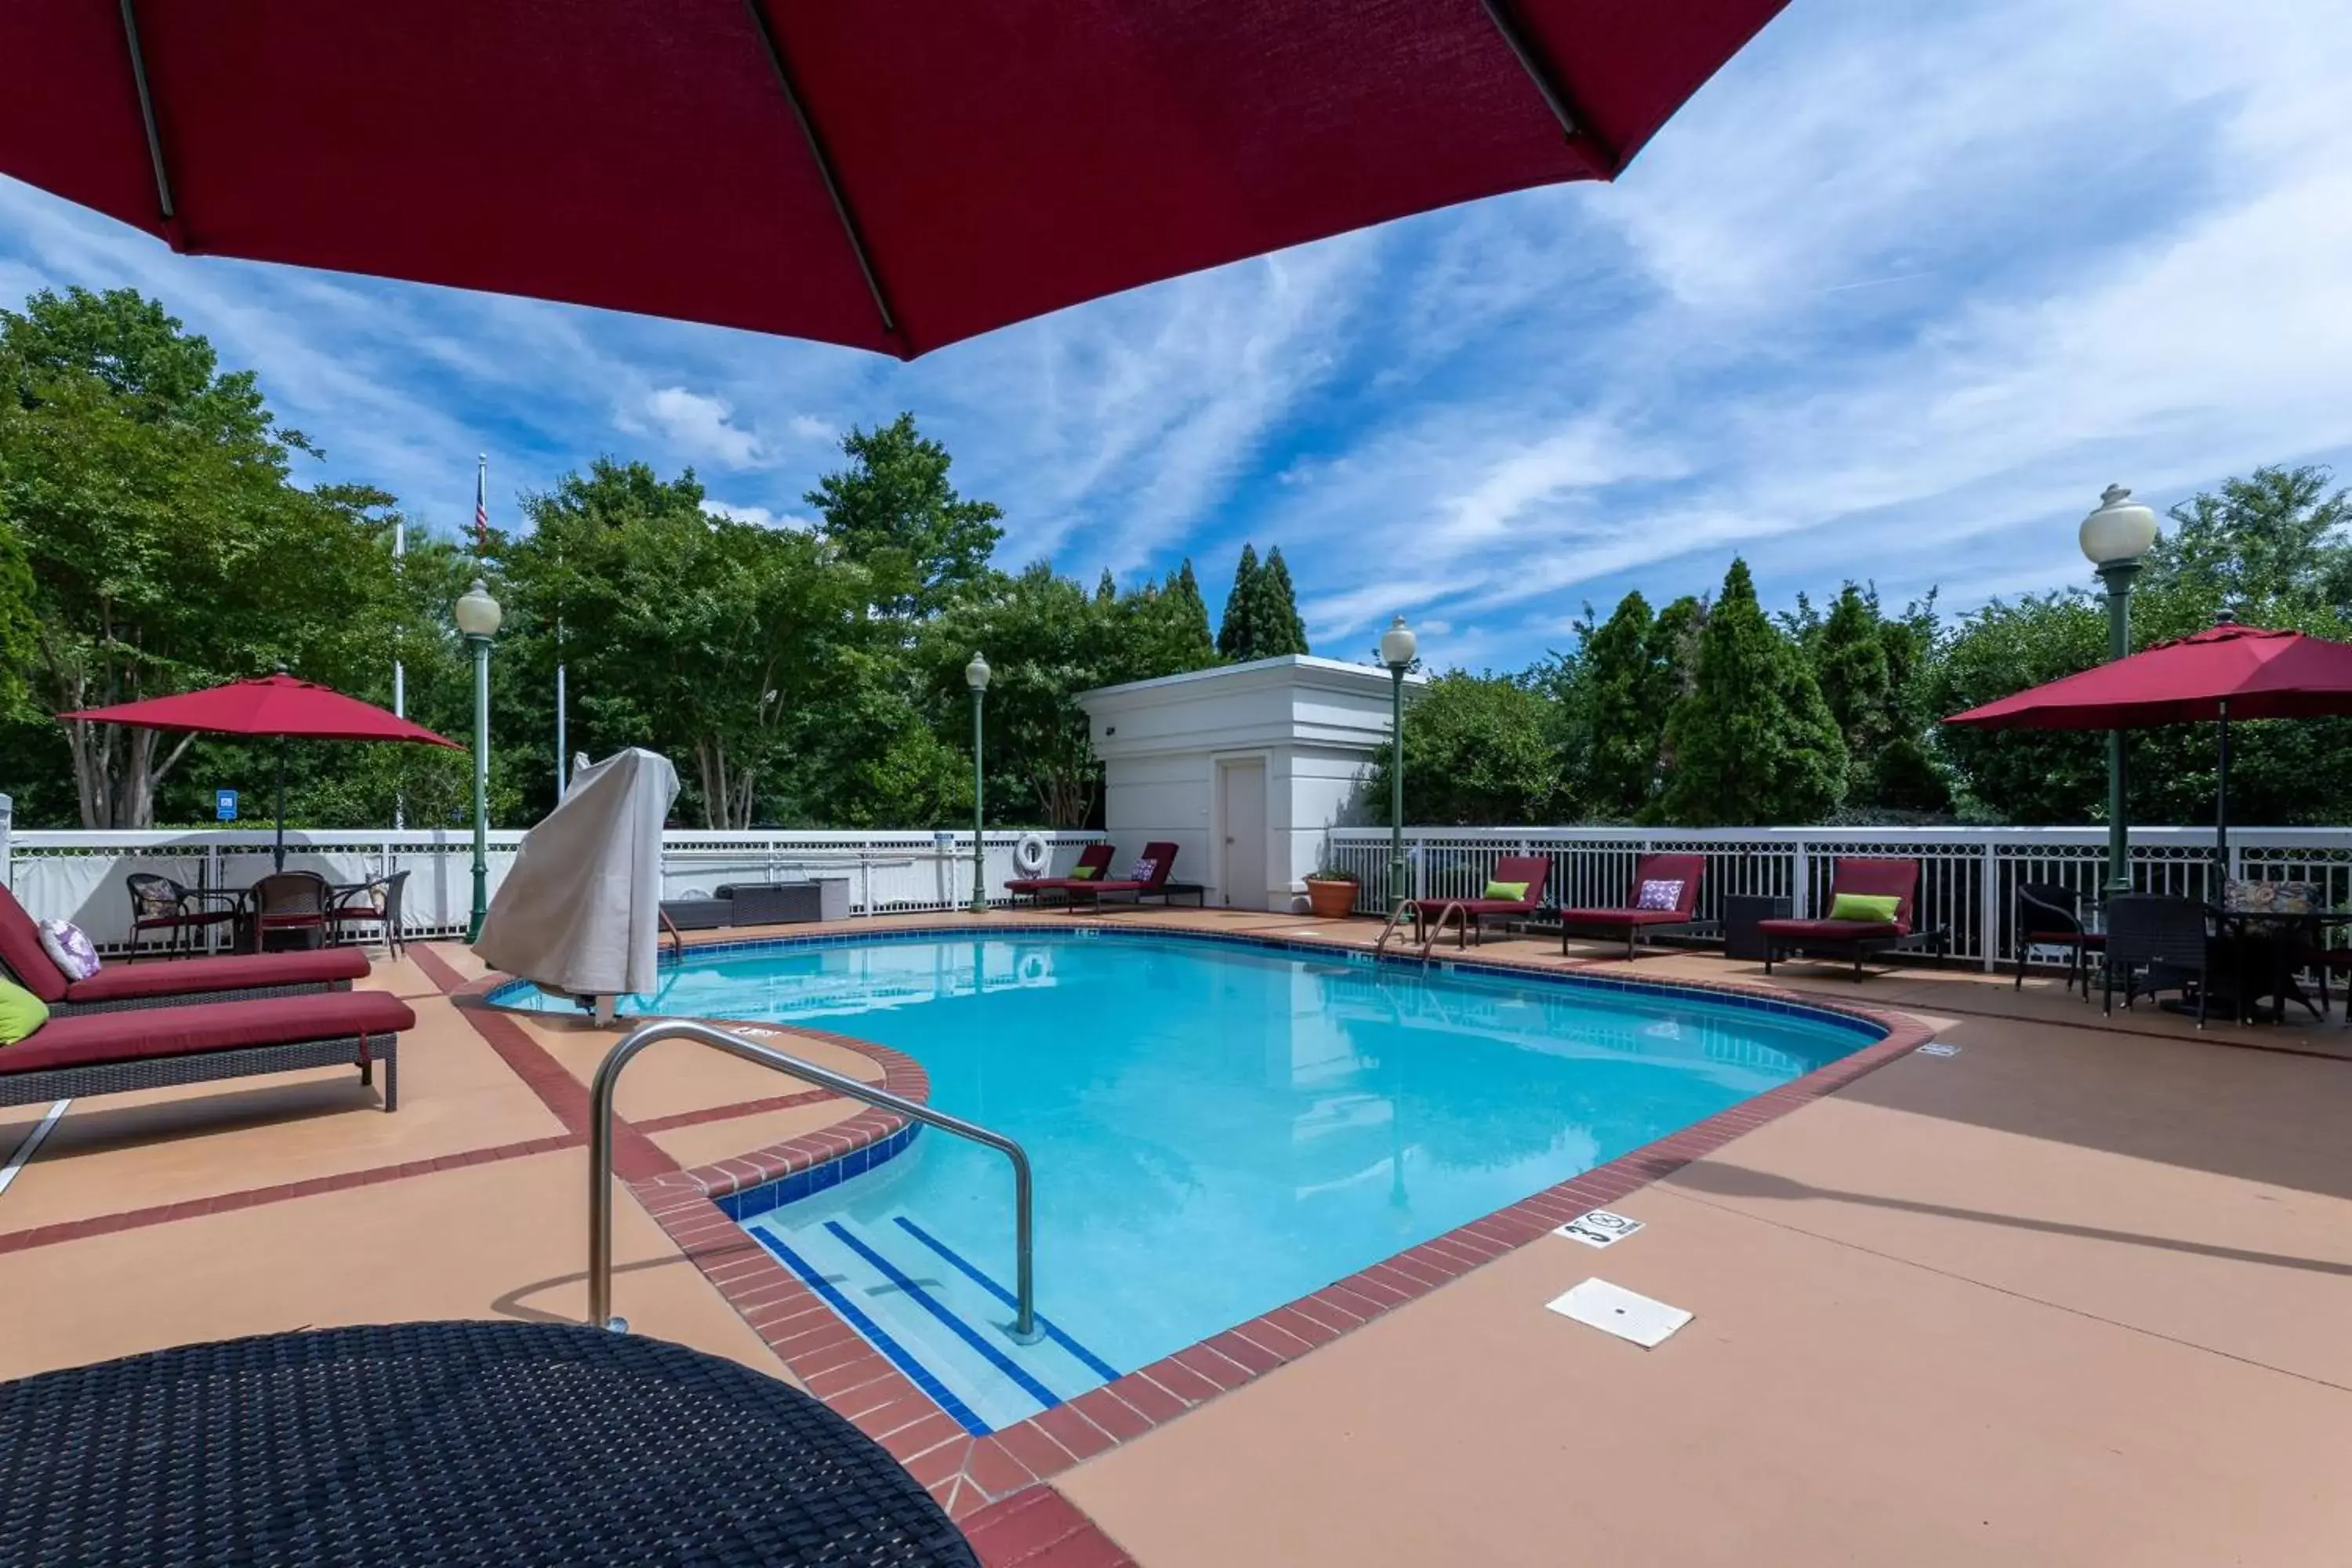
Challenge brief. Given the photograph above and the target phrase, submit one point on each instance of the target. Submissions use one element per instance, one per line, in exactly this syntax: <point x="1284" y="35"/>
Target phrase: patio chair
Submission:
<point x="2156" y="944"/>
<point x="1158" y="859"/>
<point x="1529" y="871"/>
<point x="1648" y="908"/>
<point x="372" y="903"/>
<point x="237" y="977"/>
<point x="2050" y="914"/>
<point x="288" y="904"/>
<point x="1093" y="865"/>
<point x="1861" y="877"/>
<point x="114" y="1053"/>
<point x="181" y="912"/>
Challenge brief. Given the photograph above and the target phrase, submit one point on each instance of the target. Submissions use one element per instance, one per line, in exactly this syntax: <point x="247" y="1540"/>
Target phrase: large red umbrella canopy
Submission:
<point x="273" y="705"/>
<point x="891" y="174"/>
<point x="2222" y="672"/>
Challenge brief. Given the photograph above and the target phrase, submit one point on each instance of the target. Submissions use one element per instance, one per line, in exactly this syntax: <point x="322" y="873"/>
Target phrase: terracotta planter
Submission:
<point x="1331" y="899"/>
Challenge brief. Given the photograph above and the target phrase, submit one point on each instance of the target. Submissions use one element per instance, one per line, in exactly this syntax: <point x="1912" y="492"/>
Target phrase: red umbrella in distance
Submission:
<point x="277" y="705"/>
<point x="2224" y="672"/>
<point x="891" y="174"/>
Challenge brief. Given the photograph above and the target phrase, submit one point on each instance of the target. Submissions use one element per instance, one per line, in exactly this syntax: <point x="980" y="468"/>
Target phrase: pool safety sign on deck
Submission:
<point x="1599" y="1228"/>
<point x="1613" y="1310"/>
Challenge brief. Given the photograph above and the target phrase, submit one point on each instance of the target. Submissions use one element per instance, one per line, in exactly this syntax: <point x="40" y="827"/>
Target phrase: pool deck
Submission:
<point x="2075" y="1294"/>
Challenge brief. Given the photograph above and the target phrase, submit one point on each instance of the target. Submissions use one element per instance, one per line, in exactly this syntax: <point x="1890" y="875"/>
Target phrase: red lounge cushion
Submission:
<point x="1623" y="917"/>
<point x="231" y="972"/>
<point x="87" y="1039"/>
<point x="20" y="950"/>
<point x="1432" y="908"/>
<point x="1829" y="931"/>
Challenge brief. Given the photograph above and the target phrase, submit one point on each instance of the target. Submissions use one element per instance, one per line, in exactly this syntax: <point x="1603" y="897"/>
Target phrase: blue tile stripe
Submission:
<point x="749" y="1203"/>
<point x="900" y="1357"/>
<point x="1094" y="1362"/>
<point x="1832" y="1016"/>
<point x="1045" y="1398"/>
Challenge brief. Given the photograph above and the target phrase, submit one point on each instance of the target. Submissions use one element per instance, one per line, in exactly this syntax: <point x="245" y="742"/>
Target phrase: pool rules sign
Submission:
<point x="1599" y="1228"/>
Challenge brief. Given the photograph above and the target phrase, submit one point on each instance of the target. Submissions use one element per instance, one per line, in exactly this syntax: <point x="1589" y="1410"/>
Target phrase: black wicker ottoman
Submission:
<point x="418" y="1444"/>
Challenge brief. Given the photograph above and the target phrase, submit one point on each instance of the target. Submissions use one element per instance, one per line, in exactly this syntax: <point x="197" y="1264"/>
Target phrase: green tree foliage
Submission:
<point x="1278" y="630"/>
<point x="1753" y="742"/>
<point x="1478" y="749"/>
<point x="1238" y="625"/>
<point x="1625" y="670"/>
<point x="1182" y="623"/>
<point x="894" y="513"/>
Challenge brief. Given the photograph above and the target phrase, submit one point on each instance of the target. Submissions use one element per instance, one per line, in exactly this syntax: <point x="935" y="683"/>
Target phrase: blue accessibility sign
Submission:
<point x="225" y="805"/>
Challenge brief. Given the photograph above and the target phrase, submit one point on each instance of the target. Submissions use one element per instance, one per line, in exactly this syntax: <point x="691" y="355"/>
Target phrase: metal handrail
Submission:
<point x="1447" y="913"/>
<point x="600" y="1154"/>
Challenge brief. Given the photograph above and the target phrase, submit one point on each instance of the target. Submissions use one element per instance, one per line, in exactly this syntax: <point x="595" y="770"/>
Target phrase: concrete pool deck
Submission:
<point x="2074" y="1294"/>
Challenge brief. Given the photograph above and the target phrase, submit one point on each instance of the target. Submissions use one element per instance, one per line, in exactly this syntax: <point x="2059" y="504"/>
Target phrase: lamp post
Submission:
<point x="2114" y="537"/>
<point x="975" y="675"/>
<point x="477" y="616"/>
<point x="1398" y="647"/>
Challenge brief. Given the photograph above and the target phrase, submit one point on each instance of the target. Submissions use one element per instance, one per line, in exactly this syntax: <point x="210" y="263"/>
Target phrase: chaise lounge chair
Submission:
<point x="1155" y="861"/>
<point x="1093" y="865"/>
<point x="1529" y="870"/>
<point x="1669" y="911"/>
<point x="1866" y="878"/>
<point x="113" y="1053"/>
<point x="232" y="977"/>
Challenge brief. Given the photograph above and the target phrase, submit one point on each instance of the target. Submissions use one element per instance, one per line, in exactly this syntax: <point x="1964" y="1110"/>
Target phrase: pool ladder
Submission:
<point x="1452" y="912"/>
<point x="600" y="1154"/>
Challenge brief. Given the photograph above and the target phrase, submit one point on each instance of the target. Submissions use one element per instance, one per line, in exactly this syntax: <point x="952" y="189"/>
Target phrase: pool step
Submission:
<point x="943" y="1320"/>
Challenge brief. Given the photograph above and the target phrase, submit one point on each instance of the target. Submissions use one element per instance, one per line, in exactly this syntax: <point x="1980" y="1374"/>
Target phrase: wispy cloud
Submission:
<point x="696" y="424"/>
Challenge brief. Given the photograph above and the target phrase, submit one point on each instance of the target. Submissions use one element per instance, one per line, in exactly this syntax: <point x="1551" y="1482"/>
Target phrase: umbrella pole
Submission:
<point x="279" y="858"/>
<point x="2221" y="804"/>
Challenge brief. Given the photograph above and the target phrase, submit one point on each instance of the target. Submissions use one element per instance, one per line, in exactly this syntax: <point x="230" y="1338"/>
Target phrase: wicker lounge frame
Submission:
<point x="190" y="998"/>
<point x="1867" y="875"/>
<point x="362" y="1051"/>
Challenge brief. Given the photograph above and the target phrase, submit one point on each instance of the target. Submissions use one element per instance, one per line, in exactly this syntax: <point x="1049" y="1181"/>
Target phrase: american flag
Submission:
<point x="482" y="505"/>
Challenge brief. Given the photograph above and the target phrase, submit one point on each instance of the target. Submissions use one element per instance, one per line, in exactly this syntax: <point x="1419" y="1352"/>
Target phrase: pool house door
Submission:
<point x="1241" y="811"/>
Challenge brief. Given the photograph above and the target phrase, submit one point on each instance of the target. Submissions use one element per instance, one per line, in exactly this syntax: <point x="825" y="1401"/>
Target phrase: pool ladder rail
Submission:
<point x="1427" y="934"/>
<point x="600" y="1154"/>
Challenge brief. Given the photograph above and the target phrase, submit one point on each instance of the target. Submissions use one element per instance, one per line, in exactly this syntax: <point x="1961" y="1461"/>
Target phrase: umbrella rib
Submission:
<point x="147" y="112"/>
<point x="1556" y="96"/>
<point x="768" y="41"/>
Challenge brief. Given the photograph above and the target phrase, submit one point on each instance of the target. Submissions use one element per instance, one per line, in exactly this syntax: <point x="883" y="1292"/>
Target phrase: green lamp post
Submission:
<point x="477" y="616"/>
<point x="1398" y="649"/>
<point x="2114" y="537"/>
<point x="975" y="675"/>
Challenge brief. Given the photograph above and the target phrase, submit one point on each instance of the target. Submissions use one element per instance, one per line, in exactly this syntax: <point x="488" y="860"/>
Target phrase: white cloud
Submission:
<point x="759" y="515"/>
<point x="699" y="427"/>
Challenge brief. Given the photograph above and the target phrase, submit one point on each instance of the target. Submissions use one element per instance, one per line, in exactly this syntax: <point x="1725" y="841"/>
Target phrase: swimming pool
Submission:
<point x="1217" y="1128"/>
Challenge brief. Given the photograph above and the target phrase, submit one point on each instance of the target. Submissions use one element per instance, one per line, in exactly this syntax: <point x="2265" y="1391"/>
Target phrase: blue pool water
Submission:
<point x="1216" y="1128"/>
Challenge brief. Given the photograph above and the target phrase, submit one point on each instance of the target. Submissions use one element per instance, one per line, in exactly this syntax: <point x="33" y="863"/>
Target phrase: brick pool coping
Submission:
<point x="978" y="1479"/>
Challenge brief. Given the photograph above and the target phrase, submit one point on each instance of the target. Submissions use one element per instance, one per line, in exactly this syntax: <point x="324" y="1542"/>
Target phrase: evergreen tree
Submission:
<point x="1107" y="588"/>
<point x="1623" y="724"/>
<point x="1235" y="630"/>
<point x="1278" y="629"/>
<point x="1190" y="614"/>
<point x="1753" y="742"/>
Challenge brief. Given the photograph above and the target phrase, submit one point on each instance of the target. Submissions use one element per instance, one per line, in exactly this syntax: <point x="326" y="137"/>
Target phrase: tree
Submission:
<point x="1477" y="750"/>
<point x="1189" y="617"/>
<point x="1753" y="742"/>
<point x="169" y="548"/>
<point x="1238" y="625"/>
<point x="1625" y="724"/>
<point x="1276" y="628"/>
<point x="893" y="512"/>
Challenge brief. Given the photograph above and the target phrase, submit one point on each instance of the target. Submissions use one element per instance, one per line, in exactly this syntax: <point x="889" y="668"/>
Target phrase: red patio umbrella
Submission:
<point x="891" y="174"/>
<point x="277" y="706"/>
<point x="2224" y="672"/>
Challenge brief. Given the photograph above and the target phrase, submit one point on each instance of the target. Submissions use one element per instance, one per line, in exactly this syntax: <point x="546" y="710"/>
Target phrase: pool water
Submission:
<point x="1216" y="1128"/>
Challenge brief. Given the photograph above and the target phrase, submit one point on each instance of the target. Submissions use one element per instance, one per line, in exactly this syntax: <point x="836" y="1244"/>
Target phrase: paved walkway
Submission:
<point x="2077" y="1294"/>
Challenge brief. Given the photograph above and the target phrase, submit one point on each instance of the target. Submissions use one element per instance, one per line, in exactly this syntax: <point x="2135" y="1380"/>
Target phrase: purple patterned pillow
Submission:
<point x="1660" y="896"/>
<point x="1142" y="868"/>
<point x="68" y="949"/>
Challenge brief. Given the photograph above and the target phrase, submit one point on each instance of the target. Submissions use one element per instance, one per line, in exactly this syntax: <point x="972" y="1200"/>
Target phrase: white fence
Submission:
<point x="1967" y="875"/>
<point x="80" y="876"/>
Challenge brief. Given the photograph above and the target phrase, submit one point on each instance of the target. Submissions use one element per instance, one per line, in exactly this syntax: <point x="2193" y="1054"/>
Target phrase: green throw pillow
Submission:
<point x="1082" y="873"/>
<point x="1508" y="892"/>
<point x="21" y="1012"/>
<point x="1878" y="909"/>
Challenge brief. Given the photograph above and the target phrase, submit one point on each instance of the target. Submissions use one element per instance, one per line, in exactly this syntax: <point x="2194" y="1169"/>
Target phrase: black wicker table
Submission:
<point x="470" y="1443"/>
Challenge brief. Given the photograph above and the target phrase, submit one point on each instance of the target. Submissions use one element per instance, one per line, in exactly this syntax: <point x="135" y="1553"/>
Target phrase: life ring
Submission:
<point x="1031" y="853"/>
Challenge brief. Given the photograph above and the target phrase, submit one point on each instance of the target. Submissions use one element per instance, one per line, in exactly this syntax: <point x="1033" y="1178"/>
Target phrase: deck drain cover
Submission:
<point x="1613" y="1310"/>
<point x="1938" y="1049"/>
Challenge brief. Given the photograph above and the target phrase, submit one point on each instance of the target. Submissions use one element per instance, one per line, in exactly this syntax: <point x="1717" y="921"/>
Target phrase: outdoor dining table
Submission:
<point x="2264" y="939"/>
<point x="409" y="1444"/>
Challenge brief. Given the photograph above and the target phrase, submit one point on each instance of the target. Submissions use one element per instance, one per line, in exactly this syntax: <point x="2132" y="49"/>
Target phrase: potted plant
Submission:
<point x="1331" y="892"/>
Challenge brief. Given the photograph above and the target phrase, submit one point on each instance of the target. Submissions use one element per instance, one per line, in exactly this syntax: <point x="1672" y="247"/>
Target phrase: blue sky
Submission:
<point x="1891" y="299"/>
